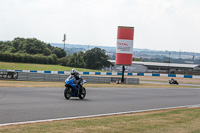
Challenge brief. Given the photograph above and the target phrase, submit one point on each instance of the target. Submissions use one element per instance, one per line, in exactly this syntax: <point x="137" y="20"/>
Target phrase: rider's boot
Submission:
<point x="79" y="90"/>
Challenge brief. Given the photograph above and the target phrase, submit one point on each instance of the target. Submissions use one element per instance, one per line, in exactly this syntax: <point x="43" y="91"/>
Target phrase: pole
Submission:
<point x="123" y="69"/>
<point x="64" y="41"/>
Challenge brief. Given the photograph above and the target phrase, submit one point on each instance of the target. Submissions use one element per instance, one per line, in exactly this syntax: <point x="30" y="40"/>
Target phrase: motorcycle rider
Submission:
<point x="77" y="76"/>
<point x="172" y="80"/>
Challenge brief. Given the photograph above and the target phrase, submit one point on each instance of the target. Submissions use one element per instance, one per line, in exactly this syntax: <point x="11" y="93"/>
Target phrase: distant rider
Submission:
<point x="172" y="80"/>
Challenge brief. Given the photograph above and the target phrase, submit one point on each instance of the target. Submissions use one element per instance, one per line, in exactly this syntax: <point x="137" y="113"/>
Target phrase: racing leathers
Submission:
<point x="77" y="77"/>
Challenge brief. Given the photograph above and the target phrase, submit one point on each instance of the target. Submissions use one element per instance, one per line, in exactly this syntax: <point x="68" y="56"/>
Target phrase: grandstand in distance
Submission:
<point x="156" y="67"/>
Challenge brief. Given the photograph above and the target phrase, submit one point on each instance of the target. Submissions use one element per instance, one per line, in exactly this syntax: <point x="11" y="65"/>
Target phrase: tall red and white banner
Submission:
<point x="124" y="48"/>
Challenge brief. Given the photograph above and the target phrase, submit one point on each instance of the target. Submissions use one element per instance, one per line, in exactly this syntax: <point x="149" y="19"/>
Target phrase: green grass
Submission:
<point x="165" y="121"/>
<point x="42" y="67"/>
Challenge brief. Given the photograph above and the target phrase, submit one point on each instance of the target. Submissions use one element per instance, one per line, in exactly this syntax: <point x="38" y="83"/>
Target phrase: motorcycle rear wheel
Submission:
<point x="68" y="93"/>
<point x="82" y="93"/>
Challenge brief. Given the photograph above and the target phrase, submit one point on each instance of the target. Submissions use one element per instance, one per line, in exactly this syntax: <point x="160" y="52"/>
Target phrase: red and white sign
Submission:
<point x="124" y="48"/>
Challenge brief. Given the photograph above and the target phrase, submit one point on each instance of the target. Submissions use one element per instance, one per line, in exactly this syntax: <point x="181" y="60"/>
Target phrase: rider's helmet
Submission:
<point x="73" y="71"/>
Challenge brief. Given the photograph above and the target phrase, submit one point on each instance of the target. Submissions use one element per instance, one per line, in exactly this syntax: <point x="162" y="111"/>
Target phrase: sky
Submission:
<point x="172" y="25"/>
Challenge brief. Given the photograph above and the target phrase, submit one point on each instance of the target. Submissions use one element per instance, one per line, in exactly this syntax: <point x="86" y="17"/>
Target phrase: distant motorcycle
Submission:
<point x="72" y="89"/>
<point x="173" y="81"/>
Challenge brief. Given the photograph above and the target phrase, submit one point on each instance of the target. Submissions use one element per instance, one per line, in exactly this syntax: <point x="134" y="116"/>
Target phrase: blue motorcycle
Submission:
<point x="72" y="89"/>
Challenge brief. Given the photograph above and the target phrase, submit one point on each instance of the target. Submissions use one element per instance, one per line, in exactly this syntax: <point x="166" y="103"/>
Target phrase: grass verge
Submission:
<point x="11" y="83"/>
<point x="185" y="120"/>
<point x="42" y="67"/>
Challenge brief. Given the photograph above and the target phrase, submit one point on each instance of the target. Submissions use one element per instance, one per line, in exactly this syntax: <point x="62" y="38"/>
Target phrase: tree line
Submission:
<point x="31" y="50"/>
<point x="91" y="59"/>
<point x="30" y="46"/>
<point x="28" y="58"/>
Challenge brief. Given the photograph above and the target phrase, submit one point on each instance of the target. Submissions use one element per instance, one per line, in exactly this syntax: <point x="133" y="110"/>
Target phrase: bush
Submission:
<point x="28" y="58"/>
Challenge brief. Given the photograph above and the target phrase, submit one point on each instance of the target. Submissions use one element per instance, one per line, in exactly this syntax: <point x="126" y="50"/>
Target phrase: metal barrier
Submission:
<point x="110" y="73"/>
<point x="61" y="78"/>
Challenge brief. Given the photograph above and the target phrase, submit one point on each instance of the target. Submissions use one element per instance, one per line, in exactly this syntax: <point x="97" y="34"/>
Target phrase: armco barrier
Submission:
<point x="109" y="73"/>
<point x="95" y="79"/>
<point x="132" y="81"/>
<point x="61" y="78"/>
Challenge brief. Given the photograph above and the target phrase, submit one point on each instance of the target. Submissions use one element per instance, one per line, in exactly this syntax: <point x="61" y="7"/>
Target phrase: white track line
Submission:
<point x="99" y="115"/>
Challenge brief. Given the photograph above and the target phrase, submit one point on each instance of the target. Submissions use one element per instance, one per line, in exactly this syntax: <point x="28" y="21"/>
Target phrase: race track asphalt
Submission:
<point x="30" y="104"/>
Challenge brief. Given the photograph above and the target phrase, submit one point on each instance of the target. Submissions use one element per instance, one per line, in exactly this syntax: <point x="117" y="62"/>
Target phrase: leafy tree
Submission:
<point x="30" y="50"/>
<point x="47" y="51"/>
<point x="76" y="60"/>
<point x="4" y="47"/>
<point x="31" y="46"/>
<point x="63" y="61"/>
<point x="80" y="58"/>
<point x="72" y="62"/>
<point x="59" y="52"/>
<point x="96" y="59"/>
<point x="17" y="43"/>
<point x="53" y="59"/>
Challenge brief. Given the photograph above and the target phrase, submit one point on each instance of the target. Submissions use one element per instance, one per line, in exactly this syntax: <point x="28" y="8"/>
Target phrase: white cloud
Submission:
<point x="159" y="24"/>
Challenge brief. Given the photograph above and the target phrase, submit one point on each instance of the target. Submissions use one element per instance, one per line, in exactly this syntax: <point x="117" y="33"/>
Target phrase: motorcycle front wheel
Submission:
<point x="82" y="93"/>
<point x="68" y="92"/>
